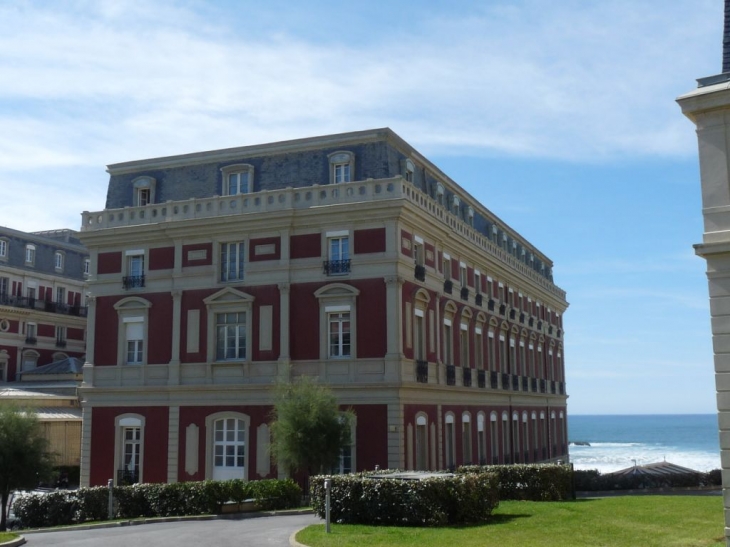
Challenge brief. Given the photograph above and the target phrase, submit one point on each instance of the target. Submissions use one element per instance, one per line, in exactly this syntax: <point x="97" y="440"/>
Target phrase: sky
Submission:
<point x="558" y="115"/>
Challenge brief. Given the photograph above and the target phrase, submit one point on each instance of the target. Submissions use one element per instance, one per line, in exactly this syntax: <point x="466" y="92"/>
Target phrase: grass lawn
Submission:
<point x="7" y="536"/>
<point x="624" y="521"/>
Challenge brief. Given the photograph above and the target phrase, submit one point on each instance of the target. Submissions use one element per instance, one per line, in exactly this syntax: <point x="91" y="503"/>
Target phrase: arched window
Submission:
<point x="450" y="441"/>
<point x="129" y="449"/>
<point x="227" y="436"/>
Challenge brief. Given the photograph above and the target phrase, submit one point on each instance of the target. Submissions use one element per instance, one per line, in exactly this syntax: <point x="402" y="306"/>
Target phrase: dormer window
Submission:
<point x="470" y="215"/>
<point x="440" y="193"/>
<point x="342" y="167"/>
<point x="3" y="249"/>
<point x="455" y="205"/>
<point x="30" y="255"/>
<point x="408" y="169"/>
<point x="237" y="179"/>
<point x="58" y="261"/>
<point x="144" y="191"/>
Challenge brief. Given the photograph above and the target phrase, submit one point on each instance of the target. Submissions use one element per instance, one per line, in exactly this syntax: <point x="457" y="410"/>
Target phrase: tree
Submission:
<point x="309" y="430"/>
<point x="24" y="455"/>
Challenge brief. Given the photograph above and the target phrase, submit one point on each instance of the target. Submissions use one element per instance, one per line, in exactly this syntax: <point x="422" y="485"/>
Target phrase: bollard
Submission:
<point x="110" y="485"/>
<point x="327" y="490"/>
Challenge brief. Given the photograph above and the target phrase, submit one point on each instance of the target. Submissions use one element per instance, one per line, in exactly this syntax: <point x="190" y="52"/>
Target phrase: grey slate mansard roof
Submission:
<point x="379" y="154"/>
<point x="70" y="365"/>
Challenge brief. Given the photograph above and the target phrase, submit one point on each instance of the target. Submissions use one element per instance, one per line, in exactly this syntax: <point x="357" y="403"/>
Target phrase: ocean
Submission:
<point x="617" y="442"/>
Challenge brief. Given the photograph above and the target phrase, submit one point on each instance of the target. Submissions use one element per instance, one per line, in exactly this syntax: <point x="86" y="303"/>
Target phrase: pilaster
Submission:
<point x="174" y="372"/>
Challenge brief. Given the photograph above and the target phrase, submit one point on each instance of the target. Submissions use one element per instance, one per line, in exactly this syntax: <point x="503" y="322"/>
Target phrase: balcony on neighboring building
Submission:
<point x="422" y="372"/>
<point x="420" y="273"/>
<point x="466" y="377"/>
<point x="336" y="267"/>
<point x="505" y="380"/>
<point x="482" y="378"/>
<point x="515" y="383"/>
<point x="533" y="384"/>
<point x="60" y="343"/>
<point x="133" y="281"/>
<point x="31" y="340"/>
<point x="450" y="375"/>
<point x="41" y="305"/>
<point x="542" y="386"/>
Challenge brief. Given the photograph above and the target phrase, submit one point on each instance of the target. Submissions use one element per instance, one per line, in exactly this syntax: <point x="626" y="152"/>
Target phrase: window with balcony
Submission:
<point x="342" y="167"/>
<point x="129" y="449"/>
<point x="237" y="179"/>
<point x="31" y="336"/>
<point x="135" y="277"/>
<point x="448" y="342"/>
<point x="478" y="349"/>
<point x="338" y="253"/>
<point x="464" y="345"/>
<point x="419" y="259"/>
<point x="60" y="337"/>
<point x="419" y="332"/>
<point x="232" y="257"/>
<point x="4" y="289"/>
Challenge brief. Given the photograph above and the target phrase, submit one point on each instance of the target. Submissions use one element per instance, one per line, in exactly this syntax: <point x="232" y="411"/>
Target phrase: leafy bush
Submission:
<point x="65" y="507"/>
<point x="433" y="501"/>
<point x="536" y="482"/>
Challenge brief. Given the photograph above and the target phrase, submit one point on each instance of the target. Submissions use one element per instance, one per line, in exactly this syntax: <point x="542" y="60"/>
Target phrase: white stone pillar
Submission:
<point x="709" y="108"/>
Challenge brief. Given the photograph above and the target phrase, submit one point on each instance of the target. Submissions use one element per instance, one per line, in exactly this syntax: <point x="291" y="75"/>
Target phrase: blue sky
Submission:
<point x="558" y="115"/>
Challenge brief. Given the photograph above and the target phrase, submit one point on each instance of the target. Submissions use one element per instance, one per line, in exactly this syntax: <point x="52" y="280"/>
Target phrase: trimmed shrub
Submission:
<point x="151" y="500"/>
<point x="528" y="482"/>
<point x="433" y="501"/>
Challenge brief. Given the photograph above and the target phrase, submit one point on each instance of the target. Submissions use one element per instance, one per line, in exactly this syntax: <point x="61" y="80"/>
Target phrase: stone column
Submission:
<point x="174" y="367"/>
<point x="394" y="326"/>
<point x="88" y="368"/>
<point x="709" y="108"/>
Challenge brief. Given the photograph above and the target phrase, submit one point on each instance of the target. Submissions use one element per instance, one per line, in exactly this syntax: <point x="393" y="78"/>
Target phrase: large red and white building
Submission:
<point x="350" y="258"/>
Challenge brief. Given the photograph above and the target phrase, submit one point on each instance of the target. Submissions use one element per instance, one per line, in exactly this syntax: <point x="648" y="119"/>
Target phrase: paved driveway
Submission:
<point x="252" y="532"/>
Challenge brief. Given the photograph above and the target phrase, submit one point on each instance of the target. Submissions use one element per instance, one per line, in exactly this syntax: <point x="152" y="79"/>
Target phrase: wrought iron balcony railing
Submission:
<point x="466" y="377"/>
<point x="41" y="305"/>
<point x="481" y="378"/>
<point x="505" y="380"/>
<point x="494" y="380"/>
<point x="478" y="299"/>
<point x="448" y="286"/>
<point x="60" y="343"/>
<point x="132" y="281"/>
<point x="450" y="375"/>
<point x="465" y="293"/>
<point x="422" y="372"/>
<point x="420" y="272"/>
<point x="31" y="340"/>
<point x="336" y="267"/>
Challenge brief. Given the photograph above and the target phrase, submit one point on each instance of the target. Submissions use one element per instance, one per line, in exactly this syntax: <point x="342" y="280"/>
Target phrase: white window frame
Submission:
<point x="4" y="245"/>
<point x="121" y="424"/>
<point x="341" y="166"/>
<point x="29" y="359"/>
<point x="210" y="421"/>
<point x="228" y="300"/>
<point x="467" y="444"/>
<point x="337" y="298"/>
<point x="132" y="310"/>
<point x="144" y="191"/>
<point x="226" y="276"/>
<point x="61" y="333"/>
<point x="58" y="260"/>
<point x="408" y="170"/>
<point x="338" y="248"/>
<point x="30" y="254"/>
<point x="449" y="440"/>
<point x="239" y="173"/>
<point x="87" y="266"/>
<point x="340" y="318"/>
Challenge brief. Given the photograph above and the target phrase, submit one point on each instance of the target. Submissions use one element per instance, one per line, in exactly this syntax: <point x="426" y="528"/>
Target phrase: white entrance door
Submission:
<point x="229" y="449"/>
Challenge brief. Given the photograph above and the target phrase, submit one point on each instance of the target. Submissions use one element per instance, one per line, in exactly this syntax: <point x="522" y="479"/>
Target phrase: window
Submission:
<point x="30" y="254"/>
<point x="232" y="260"/>
<point x="231" y="336"/>
<point x="408" y="170"/>
<point x="135" y="270"/>
<point x="30" y="333"/>
<point x="421" y="442"/>
<point x="346" y="462"/>
<point x="60" y="337"/>
<point x="478" y="349"/>
<point x="30" y="291"/>
<point x="338" y="248"/>
<point x="4" y="284"/>
<point x="132" y="314"/>
<point x="342" y="167"/>
<point x="440" y="191"/>
<point x="58" y="260"/>
<point x="494" y="445"/>
<point x="449" y="441"/>
<point x="477" y="282"/>
<point x="30" y="359"/>
<point x="4" y="357"/>
<point x="3" y="249"/>
<point x="129" y="449"/>
<point x="60" y="295"/>
<point x="464" y="345"/>
<point x="420" y="336"/>
<point x="481" y="440"/>
<point x="338" y="321"/>
<point x="455" y="205"/>
<point x="226" y="446"/>
<point x="237" y="179"/>
<point x="134" y="338"/>
<point x="144" y="191"/>
<point x="462" y="274"/>
<point x="447" y="266"/>
<point x="466" y="438"/>
<point x="418" y="254"/>
<point x="448" y="342"/>
<point x="490" y="351"/>
<point x="339" y="334"/>
<point x="87" y="266"/>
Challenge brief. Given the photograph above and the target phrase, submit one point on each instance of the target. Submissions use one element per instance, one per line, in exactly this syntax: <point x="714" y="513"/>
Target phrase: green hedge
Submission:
<point x="358" y="499"/>
<point x="152" y="500"/>
<point x="531" y="482"/>
<point x="591" y="480"/>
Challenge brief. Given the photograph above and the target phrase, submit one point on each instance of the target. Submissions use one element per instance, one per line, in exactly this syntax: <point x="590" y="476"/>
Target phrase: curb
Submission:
<point x="153" y="520"/>
<point x="13" y="542"/>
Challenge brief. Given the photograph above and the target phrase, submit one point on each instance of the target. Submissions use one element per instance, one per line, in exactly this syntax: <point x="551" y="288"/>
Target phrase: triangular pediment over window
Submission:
<point x="228" y="296"/>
